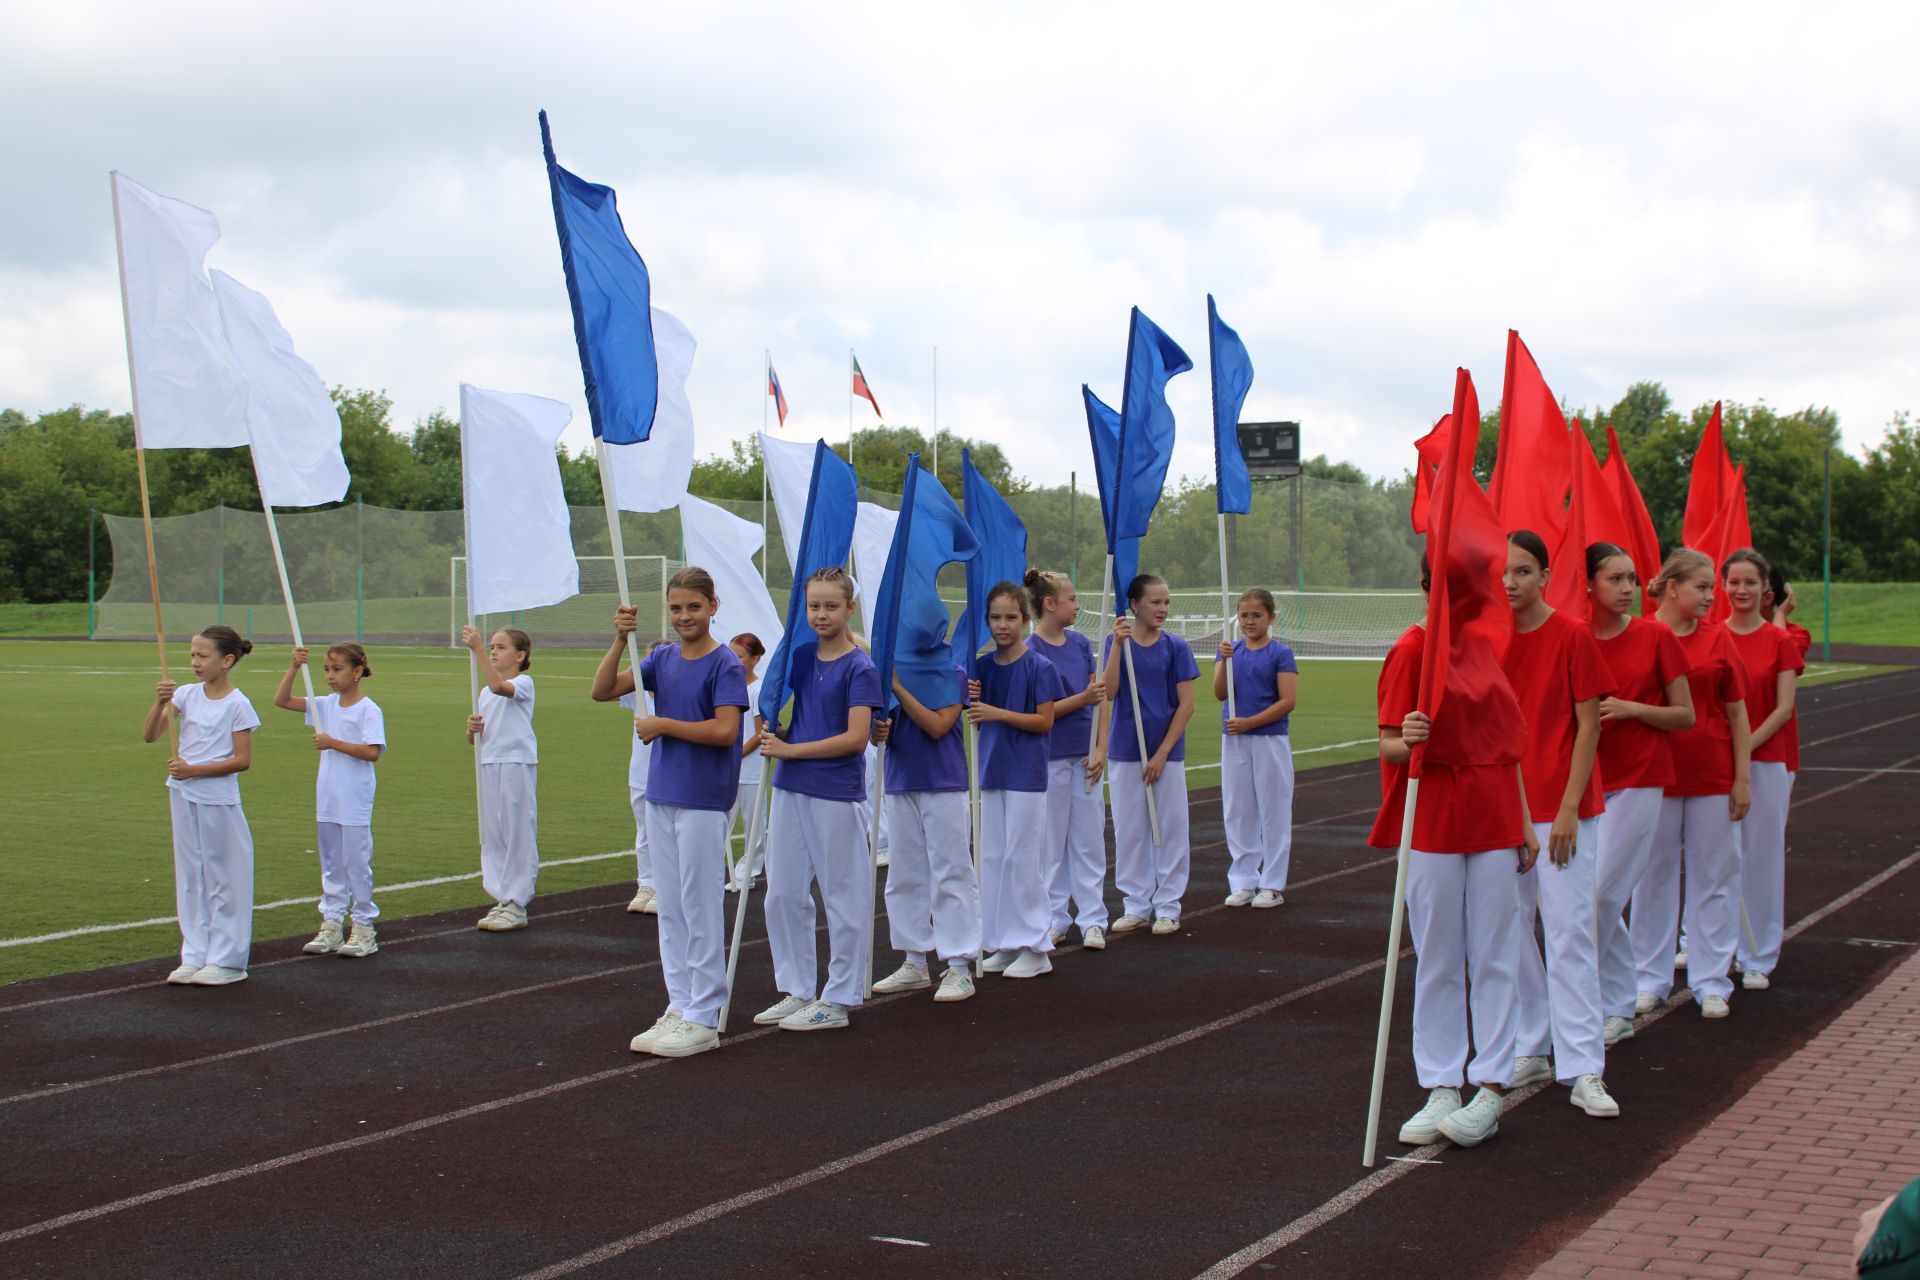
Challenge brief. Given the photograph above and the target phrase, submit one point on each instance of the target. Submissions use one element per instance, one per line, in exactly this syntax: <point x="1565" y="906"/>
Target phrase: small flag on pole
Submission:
<point x="1232" y="372"/>
<point x="860" y="387"/>
<point x="1002" y="556"/>
<point x="1103" y="425"/>
<point x="779" y="396"/>
<point x="826" y="533"/>
<point x="1532" y="470"/>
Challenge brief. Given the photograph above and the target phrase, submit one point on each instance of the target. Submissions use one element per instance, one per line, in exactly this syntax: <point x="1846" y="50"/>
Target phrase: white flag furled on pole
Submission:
<point x="872" y="540"/>
<point x="652" y="475"/>
<point x="291" y="421"/>
<point x="188" y="393"/>
<point x="519" y="531"/>
<point x="724" y="545"/>
<point x="789" y="471"/>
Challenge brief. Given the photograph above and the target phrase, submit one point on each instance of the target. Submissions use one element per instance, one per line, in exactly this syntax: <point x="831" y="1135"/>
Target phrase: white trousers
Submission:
<point x="346" y="873"/>
<point x="813" y="839"/>
<point x="1560" y="998"/>
<point x="1461" y="911"/>
<point x="1700" y="828"/>
<point x="510" y="812"/>
<point x="1076" y="850"/>
<point x="1256" y="799"/>
<point x="642" y="858"/>
<point x="689" y="845"/>
<point x="1626" y="841"/>
<point x="212" y="882"/>
<point x="1151" y="878"/>
<point x="743" y="799"/>
<point x="1013" y="873"/>
<point x="933" y="902"/>
<point x="1761" y="839"/>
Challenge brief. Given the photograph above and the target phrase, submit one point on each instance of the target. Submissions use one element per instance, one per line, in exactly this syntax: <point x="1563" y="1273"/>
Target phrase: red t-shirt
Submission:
<point x="1550" y="668"/>
<point x="1703" y="755"/>
<point x="1801" y="637"/>
<point x="1766" y="651"/>
<point x="1462" y="809"/>
<point x="1644" y="660"/>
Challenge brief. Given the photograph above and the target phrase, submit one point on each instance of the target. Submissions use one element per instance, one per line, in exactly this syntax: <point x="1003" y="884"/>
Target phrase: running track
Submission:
<point x="464" y="1104"/>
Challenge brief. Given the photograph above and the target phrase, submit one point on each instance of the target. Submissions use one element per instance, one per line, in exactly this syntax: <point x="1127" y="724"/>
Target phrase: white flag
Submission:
<point x="789" y="465"/>
<point x="291" y="421"/>
<point x="187" y="394"/>
<point x="653" y="475"/>
<point x="724" y="545"/>
<point x="872" y="539"/>
<point x="519" y="531"/>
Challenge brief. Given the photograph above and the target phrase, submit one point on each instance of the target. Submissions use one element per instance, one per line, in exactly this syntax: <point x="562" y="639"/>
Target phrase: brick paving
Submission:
<point x="1774" y="1186"/>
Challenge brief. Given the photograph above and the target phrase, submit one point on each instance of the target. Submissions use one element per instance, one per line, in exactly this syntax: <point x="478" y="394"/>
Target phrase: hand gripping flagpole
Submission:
<point x="756" y="830"/>
<point x="1392" y="973"/>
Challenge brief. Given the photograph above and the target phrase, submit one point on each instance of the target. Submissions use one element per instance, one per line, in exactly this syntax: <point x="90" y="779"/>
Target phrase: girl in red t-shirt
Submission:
<point x="1650" y="702"/>
<point x="1773" y="665"/>
<point x="1707" y="797"/>
<point x="1559" y="677"/>
<point x="1469" y="827"/>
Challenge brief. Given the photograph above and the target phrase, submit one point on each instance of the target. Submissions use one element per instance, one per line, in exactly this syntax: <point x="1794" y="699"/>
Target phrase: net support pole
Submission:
<point x="756" y="829"/>
<point x="1226" y="613"/>
<point x="360" y="569"/>
<point x="1826" y="553"/>
<point x="1391" y="975"/>
<point x="90" y="579"/>
<point x="1106" y="604"/>
<point x="973" y="825"/>
<point x="140" y="457"/>
<point x="873" y="853"/>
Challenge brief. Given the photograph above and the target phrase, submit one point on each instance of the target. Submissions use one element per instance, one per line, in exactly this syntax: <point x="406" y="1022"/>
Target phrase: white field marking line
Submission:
<point x="1828" y="768"/>
<point x="1896" y="767"/>
<point x="1236" y="1263"/>
<point x="1820" y="671"/>
<point x="918" y="1244"/>
<point x="1879" y="724"/>
<point x="1304" y="751"/>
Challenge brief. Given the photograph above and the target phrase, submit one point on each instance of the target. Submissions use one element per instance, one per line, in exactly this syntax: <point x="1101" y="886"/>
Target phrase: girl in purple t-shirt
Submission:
<point x="1076" y="848"/>
<point x="1256" y="762"/>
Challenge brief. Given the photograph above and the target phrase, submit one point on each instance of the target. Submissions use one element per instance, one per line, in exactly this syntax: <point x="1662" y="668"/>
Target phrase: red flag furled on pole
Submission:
<point x="1708" y="487"/>
<point x="1642" y="540"/>
<point x="1532" y="470"/>
<point x="1431" y="451"/>
<point x="1727" y="534"/>
<point x="860" y="387"/>
<point x="1593" y="515"/>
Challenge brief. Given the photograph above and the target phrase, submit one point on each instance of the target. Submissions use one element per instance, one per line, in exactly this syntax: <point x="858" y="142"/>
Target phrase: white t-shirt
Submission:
<point x="750" y="766"/>
<point x="507" y="737"/>
<point x="343" y="793"/>
<point x="207" y="726"/>
<point x="638" y="751"/>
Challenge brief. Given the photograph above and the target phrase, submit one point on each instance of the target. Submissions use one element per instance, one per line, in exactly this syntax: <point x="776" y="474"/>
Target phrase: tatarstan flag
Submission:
<point x="860" y="387"/>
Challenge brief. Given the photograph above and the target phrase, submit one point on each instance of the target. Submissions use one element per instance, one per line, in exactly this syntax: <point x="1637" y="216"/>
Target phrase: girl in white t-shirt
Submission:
<point x="350" y="734"/>
<point x="747" y="647"/>
<point x="212" y="845"/>
<point x="502" y="723"/>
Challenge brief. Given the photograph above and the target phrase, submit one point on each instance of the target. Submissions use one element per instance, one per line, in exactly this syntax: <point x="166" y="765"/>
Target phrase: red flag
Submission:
<point x="1708" y="487"/>
<point x="860" y="387"/>
<point x="1728" y="533"/>
<point x="1532" y="470"/>
<point x="1642" y="542"/>
<point x="1431" y="450"/>
<point x="1462" y="688"/>
<point x="1593" y="515"/>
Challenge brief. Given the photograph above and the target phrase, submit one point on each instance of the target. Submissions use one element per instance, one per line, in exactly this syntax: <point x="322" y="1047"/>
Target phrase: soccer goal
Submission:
<point x="586" y="619"/>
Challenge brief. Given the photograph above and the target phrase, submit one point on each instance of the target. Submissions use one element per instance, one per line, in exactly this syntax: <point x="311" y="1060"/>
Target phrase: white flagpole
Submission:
<point x="1106" y="603"/>
<point x="1392" y="974"/>
<point x="766" y="394"/>
<point x="973" y="825"/>
<point x="619" y="548"/>
<point x="286" y="588"/>
<point x="1226" y="612"/>
<point x="1140" y="733"/>
<point x="936" y="413"/>
<point x="873" y="852"/>
<point x="756" y="828"/>
<point x="850" y="359"/>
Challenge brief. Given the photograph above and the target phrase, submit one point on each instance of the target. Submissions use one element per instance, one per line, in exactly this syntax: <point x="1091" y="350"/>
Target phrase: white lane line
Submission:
<point x="1895" y="767"/>
<point x="1303" y="751"/>
<point x="1829" y="768"/>
<point x="918" y="1244"/>
<point x="1878" y="724"/>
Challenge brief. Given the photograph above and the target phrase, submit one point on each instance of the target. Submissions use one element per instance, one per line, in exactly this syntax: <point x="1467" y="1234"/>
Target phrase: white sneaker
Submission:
<point x="1680" y="958"/>
<point x="214" y="975"/>
<point x="999" y="960"/>
<point x="1093" y="938"/>
<point x="1166" y="925"/>
<point x="1529" y="1068"/>
<point x="1714" y="1007"/>
<point x="1128" y="923"/>
<point x="908" y="977"/>
<point x="493" y="912"/>
<point x="1028" y="964"/>
<point x="1474" y="1123"/>
<point x="1424" y="1127"/>
<point x="821" y="1015"/>
<point x="505" y="918"/>
<point x="183" y="976"/>
<point x="646" y="902"/>
<point x="1755" y="980"/>
<point x="362" y="942"/>
<point x="684" y="1039"/>
<point x="955" y="984"/>
<point x="1645" y="1002"/>
<point x="1240" y="897"/>
<point x="880" y="859"/>
<point x="328" y="940"/>
<point x="644" y="1042"/>
<point x="786" y="1005"/>
<point x="1268" y="898"/>
<point x="1615" y="1030"/>
<point x="1591" y="1096"/>
<point x="1057" y="936"/>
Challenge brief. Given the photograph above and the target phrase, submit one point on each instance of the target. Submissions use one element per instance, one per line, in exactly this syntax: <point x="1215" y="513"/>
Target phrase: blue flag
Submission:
<point x="910" y="620"/>
<point x="1103" y="425"/>
<point x="608" y="289"/>
<point x="826" y="534"/>
<point x="1002" y="556"/>
<point x="1232" y="374"/>
<point x="1146" y="428"/>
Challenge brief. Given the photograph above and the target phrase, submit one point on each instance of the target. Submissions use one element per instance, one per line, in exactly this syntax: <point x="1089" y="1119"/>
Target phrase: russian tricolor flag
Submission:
<point x="779" y="396"/>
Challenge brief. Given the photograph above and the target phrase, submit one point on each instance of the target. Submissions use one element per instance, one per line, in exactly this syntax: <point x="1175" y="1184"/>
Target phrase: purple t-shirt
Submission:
<point x="1160" y="667"/>
<point x="1073" y="659"/>
<point x="1256" y="683"/>
<point x="916" y="762"/>
<point x="822" y="694"/>
<point x="1012" y="759"/>
<point x="687" y="774"/>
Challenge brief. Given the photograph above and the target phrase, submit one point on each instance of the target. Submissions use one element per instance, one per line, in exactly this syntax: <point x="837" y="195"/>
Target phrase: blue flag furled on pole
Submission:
<point x="1103" y="425"/>
<point x="1146" y="428"/>
<point x="826" y="533"/>
<point x="608" y="288"/>
<point x="1232" y="372"/>
<point x="1002" y="556"/>
<point x="910" y="620"/>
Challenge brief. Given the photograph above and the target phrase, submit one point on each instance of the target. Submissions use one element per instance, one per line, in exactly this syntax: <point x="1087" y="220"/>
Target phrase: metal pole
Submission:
<point x="1392" y="974"/>
<point x="360" y="570"/>
<point x="856" y="472"/>
<point x="220" y="563"/>
<point x="1073" y="529"/>
<point x="936" y="413"/>
<point x="1226" y="612"/>
<point x="766" y="394"/>
<point x="1299" y="518"/>
<point x="89" y="571"/>
<point x="1826" y="554"/>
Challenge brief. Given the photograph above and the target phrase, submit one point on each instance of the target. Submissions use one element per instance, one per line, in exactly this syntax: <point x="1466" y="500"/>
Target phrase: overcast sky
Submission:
<point x="1723" y="197"/>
